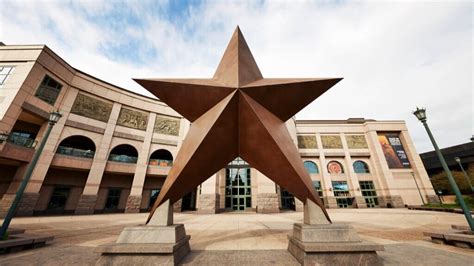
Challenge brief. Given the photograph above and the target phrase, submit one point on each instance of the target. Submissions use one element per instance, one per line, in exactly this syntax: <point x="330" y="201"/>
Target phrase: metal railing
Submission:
<point x="122" y="158"/>
<point x="160" y="162"/>
<point x="22" y="141"/>
<point x="75" y="152"/>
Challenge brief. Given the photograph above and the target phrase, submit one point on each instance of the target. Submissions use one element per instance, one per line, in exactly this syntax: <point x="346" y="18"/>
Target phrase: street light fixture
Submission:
<point x="3" y="136"/>
<point x="53" y="119"/>
<point x="458" y="160"/>
<point x="420" y="113"/>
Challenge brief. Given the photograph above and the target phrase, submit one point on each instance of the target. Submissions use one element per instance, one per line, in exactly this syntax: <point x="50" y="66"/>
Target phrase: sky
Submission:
<point x="393" y="55"/>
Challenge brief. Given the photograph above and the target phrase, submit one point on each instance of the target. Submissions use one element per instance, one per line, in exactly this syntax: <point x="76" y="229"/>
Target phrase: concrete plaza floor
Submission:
<point x="245" y="238"/>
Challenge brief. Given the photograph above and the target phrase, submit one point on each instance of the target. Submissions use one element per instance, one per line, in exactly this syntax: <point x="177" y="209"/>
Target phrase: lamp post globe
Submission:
<point x="420" y="113"/>
<point x="54" y="117"/>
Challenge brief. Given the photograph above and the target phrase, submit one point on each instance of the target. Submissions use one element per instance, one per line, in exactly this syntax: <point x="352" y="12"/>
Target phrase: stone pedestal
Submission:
<point x="267" y="203"/>
<point x="317" y="242"/>
<point x="86" y="204"/>
<point x="147" y="245"/>
<point x="333" y="244"/>
<point x="159" y="243"/>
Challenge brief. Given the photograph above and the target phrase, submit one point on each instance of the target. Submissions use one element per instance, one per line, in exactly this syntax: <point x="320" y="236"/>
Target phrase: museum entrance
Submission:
<point x="238" y="191"/>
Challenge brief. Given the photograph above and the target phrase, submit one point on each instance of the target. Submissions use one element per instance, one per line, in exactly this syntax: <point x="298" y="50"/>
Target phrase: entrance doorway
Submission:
<point x="238" y="190"/>
<point x="188" y="202"/>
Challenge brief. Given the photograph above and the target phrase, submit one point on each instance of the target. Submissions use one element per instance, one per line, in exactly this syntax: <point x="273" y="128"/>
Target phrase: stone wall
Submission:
<point x="86" y="204"/>
<point x="393" y="201"/>
<point x="209" y="203"/>
<point x="267" y="203"/>
<point x="133" y="204"/>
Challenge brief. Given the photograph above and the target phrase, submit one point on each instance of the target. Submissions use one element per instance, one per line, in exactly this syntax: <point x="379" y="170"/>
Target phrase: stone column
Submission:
<point x="419" y="171"/>
<point x="31" y="194"/>
<point x="353" y="180"/>
<point x="326" y="184"/>
<point x="209" y="198"/>
<point x="88" y="198"/>
<point x="267" y="197"/>
<point x="135" y="198"/>
<point x="390" y="193"/>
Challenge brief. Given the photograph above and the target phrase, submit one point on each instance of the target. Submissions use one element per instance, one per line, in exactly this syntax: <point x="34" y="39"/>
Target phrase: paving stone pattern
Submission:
<point x="244" y="238"/>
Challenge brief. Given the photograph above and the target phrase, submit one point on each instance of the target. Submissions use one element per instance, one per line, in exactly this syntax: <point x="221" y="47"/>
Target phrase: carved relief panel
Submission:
<point x="132" y="118"/>
<point x="356" y="142"/>
<point x="331" y="142"/>
<point x="167" y="125"/>
<point x="307" y="142"/>
<point x="91" y="107"/>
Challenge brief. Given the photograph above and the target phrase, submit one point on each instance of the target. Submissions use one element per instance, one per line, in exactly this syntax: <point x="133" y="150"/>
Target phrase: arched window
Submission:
<point x="161" y="157"/>
<point x="335" y="167"/>
<point x="311" y="167"/>
<point x="124" y="153"/>
<point x="79" y="146"/>
<point x="361" y="167"/>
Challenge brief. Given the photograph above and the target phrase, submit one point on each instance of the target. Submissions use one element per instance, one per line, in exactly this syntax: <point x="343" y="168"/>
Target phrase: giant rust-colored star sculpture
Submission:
<point x="237" y="113"/>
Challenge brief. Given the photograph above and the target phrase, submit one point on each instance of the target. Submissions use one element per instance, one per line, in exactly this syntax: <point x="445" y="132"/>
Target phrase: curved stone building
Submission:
<point x="112" y="149"/>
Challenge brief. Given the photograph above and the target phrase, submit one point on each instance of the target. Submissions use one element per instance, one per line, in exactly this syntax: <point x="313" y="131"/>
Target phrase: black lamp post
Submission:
<point x="421" y="115"/>
<point x="53" y="119"/>
<point x="458" y="160"/>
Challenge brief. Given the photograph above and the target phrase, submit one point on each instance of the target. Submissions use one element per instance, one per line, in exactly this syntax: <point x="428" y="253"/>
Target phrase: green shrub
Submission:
<point x="468" y="199"/>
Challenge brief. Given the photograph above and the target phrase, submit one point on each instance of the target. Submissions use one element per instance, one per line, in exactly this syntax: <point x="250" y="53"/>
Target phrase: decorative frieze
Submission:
<point x="167" y="125"/>
<point x="91" y="107"/>
<point x="356" y="142"/>
<point x="331" y="141"/>
<point x="132" y="118"/>
<point x="307" y="142"/>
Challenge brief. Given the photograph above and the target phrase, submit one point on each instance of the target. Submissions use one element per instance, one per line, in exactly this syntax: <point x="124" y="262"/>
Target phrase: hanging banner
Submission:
<point x="393" y="150"/>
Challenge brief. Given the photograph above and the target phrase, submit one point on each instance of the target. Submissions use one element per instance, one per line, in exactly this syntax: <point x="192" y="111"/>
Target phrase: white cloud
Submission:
<point x="393" y="55"/>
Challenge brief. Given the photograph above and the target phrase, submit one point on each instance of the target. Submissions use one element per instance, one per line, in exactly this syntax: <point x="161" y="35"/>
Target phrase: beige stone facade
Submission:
<point x="112" y="149"/>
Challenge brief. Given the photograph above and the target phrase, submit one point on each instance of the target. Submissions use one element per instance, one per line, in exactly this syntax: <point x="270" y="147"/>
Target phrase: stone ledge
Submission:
<point x="325" y="233"/>
<point x="23" y="241"/>
<point x="333" y="247"/>
<point x="153" y="234"/>
<point x="142" y="248"/>
<point x="464" y="239"/>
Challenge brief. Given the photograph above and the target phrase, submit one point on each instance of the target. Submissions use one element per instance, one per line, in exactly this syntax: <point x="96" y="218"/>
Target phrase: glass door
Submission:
<point x="238" y="194"/>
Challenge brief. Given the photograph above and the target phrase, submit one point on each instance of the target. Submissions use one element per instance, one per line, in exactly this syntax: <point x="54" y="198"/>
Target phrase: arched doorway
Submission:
<point x="238" y="191"/>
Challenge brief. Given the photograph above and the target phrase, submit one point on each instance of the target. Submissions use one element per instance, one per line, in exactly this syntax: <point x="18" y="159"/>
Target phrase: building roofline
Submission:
<point x="49" y="50"/>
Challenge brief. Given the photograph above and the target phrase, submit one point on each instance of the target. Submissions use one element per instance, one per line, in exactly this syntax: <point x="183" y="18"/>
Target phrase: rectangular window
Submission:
<point x="5" y="71"/>
<point x="113" y="198"/>
<point x="342" y="194"/>
<point x="368" y="192"/>
<point x="58" y="198"/>
<point x="317" y="186"/>
<point x="48" y="90"/>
